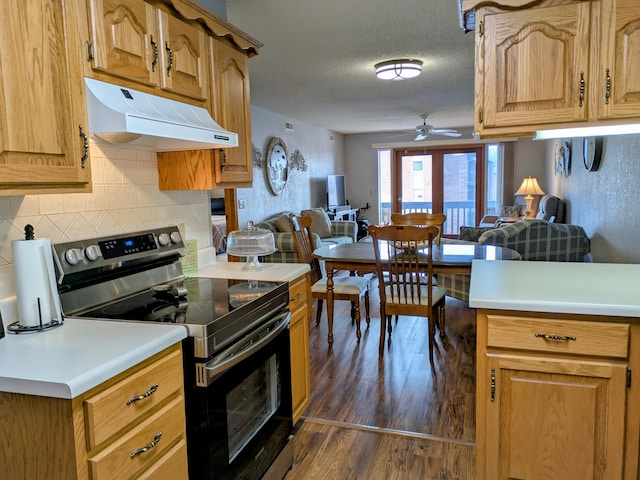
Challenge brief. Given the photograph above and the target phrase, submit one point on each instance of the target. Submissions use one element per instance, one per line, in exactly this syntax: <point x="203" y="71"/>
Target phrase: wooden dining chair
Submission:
<point x="404" y="253"/>
<point x="350" y="288"/>
<point x="421" y="219"/>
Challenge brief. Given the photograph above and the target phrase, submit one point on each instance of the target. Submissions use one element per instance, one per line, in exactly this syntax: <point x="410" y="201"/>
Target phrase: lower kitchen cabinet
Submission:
<point x="300" y="306"/>
<point x="555" y="398"/>
<point x="131" y="426"/>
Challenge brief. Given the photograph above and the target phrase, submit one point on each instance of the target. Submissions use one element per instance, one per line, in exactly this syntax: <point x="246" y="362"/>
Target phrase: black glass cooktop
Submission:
<point x="206" y="306"/>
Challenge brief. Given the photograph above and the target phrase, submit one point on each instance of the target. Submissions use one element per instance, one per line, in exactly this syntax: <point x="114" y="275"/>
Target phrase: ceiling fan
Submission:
<point x="424" y="130"/>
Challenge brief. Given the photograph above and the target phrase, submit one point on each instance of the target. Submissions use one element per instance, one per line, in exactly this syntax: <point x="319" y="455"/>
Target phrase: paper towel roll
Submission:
<point x="35" y="280"/>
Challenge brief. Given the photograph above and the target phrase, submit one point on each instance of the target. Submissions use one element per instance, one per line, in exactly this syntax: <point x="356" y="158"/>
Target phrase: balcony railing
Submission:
<point x="458" y="213"/>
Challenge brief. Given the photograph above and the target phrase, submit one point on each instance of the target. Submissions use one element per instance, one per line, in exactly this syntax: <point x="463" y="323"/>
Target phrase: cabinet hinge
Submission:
<point x="481" y="28"/>
<point x="628" y="378"/>
<point x="493" y="384"/>
<point x="89" y="47"/>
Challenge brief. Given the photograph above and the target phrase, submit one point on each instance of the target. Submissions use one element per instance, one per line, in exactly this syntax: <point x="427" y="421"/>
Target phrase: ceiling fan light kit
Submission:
<point x="398" y="69"/>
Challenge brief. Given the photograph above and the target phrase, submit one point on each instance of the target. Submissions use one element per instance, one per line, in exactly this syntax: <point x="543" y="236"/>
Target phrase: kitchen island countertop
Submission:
<point x="271" y="272"/>
<point x="556" y="287"/>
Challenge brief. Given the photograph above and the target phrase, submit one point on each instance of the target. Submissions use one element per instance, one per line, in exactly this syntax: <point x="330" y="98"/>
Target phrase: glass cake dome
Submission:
<point x="251" y="243"/>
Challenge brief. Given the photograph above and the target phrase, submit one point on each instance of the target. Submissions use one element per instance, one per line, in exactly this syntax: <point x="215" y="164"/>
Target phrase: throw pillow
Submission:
<point x="510" y="211"/>
<point x="321" y="223"/>
<point x="283" y="223"/>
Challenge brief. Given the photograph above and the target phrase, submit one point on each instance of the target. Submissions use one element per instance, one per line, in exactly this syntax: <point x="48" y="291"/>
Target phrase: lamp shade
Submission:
<point x="530" y="187"/>
<point x="398" y="69"/>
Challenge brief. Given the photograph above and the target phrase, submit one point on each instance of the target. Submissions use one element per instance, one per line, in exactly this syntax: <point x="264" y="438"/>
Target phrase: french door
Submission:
<point x="439" y="180"/>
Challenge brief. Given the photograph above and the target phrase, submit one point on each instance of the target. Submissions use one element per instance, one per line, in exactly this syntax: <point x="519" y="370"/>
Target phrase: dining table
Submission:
<point x="449" y="257"/>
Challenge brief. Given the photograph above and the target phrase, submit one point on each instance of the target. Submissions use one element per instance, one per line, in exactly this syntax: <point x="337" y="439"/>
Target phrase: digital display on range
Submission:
<point x="127" y="246"/>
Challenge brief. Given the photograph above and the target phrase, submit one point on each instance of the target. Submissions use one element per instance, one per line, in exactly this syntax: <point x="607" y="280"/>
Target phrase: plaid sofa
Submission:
<point x="342" y="231"/>
<point x="535" y="240"/>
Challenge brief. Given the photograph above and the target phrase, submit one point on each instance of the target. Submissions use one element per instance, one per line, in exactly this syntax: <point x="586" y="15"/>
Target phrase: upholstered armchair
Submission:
<point x="551" y="209"/>
<point x="535" y="240"/>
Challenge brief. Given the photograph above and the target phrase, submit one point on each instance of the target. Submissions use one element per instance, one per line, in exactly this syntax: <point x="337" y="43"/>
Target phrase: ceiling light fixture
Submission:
<point x="398" y="69"/>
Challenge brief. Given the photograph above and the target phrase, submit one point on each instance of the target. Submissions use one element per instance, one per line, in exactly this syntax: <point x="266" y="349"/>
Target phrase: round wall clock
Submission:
<point x="276" y="160"/>
<point x="592" y="152"/>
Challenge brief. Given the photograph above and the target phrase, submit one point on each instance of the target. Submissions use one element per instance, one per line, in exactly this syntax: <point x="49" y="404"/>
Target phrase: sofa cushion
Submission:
<point x="321" y="223"/>
<point x="283" y="223"/>
<point x="336" y="240"/>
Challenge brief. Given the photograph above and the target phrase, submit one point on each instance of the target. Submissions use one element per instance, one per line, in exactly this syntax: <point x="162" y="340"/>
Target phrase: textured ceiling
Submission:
<point x="318" y="56"/>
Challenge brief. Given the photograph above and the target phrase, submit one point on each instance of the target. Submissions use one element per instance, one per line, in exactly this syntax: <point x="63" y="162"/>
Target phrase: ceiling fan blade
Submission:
<point x="420" y="136"/>
<point x="446" y="133"/>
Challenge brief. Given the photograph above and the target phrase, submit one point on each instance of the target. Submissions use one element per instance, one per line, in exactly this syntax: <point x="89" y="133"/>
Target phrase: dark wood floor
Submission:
<point x="395" y="417"/>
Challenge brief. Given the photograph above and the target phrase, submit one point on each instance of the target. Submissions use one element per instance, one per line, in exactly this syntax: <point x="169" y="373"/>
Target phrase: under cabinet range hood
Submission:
<point x="126" y="116"/>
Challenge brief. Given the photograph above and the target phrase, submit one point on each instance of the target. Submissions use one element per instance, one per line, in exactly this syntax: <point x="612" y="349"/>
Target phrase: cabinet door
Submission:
<point x="183" y="58"/>
<point x="553" y="419"/>
<point x="125" y="39"/>
<point x="42" y="102"/>
<point x="535" y="65"/>
<point x="299" y="340"/>
<point x="618" y="74"/>
<point x="233" y="166"/>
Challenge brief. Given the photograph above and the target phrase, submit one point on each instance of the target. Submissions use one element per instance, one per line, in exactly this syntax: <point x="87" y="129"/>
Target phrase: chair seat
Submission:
<point x="343" y="285"/>
<point x="438" y="294"/>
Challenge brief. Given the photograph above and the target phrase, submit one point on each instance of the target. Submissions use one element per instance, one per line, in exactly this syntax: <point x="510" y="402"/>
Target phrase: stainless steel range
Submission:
<point x="236" y="358"/>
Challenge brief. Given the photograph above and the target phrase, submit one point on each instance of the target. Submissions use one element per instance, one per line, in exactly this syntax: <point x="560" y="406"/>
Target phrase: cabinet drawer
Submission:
<point x="108" y="412"/>
<point x="559" y="336"/>
<point x="167" y="426"/>
<point x="297" y="293"/>
<point x="172" y="465"/>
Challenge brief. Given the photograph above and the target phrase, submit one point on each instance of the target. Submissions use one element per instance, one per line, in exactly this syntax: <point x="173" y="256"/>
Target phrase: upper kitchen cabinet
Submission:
<point x="233" y="166"/>
<point x="136" y="41"/>
<point x="619" y="68"/>
<point x="43" y="125"/>
<point x="184" y="59"/>
<point x="124" y="40"/>
<point x="554" y="64"/>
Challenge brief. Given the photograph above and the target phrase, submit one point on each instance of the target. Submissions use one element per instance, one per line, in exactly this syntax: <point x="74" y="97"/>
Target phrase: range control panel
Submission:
<point x="109" y="252"/>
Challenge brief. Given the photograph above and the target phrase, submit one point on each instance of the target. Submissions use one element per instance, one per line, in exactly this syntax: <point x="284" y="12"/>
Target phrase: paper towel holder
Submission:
<point x="16" y="327"/>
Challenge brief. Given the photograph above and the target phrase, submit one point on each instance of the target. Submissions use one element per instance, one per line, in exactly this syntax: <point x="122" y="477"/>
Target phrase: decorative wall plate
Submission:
<point x="276" y="161"/>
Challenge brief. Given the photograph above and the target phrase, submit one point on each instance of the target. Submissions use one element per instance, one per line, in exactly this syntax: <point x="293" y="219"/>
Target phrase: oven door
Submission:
<point x="240" y="421"/>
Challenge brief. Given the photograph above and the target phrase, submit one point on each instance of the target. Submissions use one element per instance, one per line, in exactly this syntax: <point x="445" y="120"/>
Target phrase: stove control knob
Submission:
<point x="92" y="252"/>
<point x="164" y="239"/>
<point x="73" y="256"/>
<point x="175" y="237"/>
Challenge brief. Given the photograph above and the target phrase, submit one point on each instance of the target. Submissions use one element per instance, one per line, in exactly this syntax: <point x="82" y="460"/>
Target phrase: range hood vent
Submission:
<point x="123" y="115"/>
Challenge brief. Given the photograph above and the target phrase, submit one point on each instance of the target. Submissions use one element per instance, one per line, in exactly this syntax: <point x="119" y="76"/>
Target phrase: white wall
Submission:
<point x="304" y="189"/>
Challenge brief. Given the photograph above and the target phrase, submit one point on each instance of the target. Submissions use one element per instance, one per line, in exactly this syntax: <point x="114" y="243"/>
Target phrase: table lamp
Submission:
<point x="529" y="188"/>
<point x="251" y="243"/>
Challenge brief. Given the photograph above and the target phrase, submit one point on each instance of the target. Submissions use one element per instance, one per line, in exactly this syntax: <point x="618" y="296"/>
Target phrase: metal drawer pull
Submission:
<point x="151" y="444"/>
<point x="146" y="394"/>
<point x="555" y="337"/>
<point x="297" y="297"/>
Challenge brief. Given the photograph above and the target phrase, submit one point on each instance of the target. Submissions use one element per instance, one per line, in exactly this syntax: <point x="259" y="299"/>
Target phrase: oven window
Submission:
<point x="251" y="404"/>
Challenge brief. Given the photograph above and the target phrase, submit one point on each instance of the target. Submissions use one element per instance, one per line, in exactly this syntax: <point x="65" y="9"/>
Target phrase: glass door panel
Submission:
<point x="459" y="190"/>
<point x="416" y="184"/>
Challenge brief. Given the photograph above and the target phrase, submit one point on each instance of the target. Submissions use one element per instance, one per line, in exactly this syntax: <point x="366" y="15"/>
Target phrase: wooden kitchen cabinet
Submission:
<point x="219" y="168"/>
<point x="554" y="396"/>
<point x="555" y="64"/>
<point x="98" y="434"/>
<point x="300" y="306"/>
<point x="43" y="122"/>
<point x="136" y="41"/>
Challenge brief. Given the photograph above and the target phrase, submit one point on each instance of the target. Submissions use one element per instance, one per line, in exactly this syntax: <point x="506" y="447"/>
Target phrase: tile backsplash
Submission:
<point x="125" y="198"/>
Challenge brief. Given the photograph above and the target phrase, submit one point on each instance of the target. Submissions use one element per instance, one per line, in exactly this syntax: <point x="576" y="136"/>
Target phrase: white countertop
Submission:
<point x="556" y="287"/>
<point x="272" y="271"/>
<point x="68" y="360"/>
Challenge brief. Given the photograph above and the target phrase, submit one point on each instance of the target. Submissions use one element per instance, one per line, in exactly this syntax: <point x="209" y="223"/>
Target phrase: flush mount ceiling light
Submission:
<point x="398" y="69"/>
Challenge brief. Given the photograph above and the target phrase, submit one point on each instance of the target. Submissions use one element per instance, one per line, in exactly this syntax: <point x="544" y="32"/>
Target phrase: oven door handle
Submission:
<point x="237" y="353"/>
